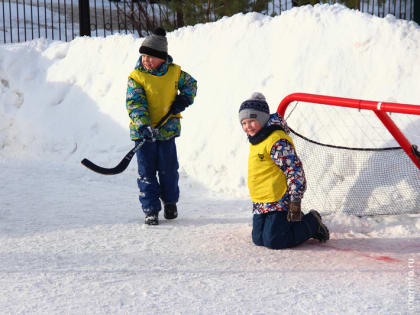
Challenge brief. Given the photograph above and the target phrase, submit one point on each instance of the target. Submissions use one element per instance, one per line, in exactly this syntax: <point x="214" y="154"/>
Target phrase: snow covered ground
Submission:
<point x="74" y="242"/>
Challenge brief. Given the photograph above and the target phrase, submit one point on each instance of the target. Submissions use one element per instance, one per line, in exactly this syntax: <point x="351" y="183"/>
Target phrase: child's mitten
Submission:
<point x="181" y="102"/>
<point x="148" y="133"/>
<point x="294" y="213"/>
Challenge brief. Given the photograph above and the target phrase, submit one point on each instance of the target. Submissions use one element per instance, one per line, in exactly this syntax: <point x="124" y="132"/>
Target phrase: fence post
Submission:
<point x="84" y="17"/>
<point x="416" y="15"/>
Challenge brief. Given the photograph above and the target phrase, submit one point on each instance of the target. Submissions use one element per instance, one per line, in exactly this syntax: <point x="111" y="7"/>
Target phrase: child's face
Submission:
<point x="151" y="62"/>
<point x="251" y="126"/>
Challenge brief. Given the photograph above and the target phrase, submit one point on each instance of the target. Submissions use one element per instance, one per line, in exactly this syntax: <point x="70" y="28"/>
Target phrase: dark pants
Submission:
<point x="158" y="174"/>
<point x="274" y="231"/>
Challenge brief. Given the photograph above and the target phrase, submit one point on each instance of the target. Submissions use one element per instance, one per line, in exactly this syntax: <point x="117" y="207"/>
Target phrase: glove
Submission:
<point x="148" y="133"/>
<point x="181" y="102"/>
<point x="294" y="213"/>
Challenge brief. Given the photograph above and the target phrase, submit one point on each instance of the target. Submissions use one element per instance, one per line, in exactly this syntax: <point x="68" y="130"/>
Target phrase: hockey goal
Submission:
<point x="356" y="158"/>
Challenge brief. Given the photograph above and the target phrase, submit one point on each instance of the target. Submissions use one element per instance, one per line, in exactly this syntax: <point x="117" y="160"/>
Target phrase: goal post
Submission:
<point x="379" y="108"/>
<point x="350" y="164"/>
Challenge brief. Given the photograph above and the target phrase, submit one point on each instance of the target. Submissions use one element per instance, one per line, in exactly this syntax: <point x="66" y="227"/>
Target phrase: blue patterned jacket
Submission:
<point x="136" y="102"/>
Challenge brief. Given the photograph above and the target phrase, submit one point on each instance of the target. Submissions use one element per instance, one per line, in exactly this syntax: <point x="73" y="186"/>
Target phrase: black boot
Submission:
<point x="322" y="234"/>
<point x="151" y="219"/>
<point x="170" y="211"/>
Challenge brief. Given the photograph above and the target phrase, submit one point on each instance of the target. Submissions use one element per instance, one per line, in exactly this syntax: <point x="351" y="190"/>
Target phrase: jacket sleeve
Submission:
<point x="187" y="86"/>
<point x="136" y="104"/>
<point x="285" y="157"/>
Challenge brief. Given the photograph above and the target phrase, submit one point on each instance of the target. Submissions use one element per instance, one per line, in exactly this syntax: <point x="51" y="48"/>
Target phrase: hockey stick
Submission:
<point x="125" y="161"/>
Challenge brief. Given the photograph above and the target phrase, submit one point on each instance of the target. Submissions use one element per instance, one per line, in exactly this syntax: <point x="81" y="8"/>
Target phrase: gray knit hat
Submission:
<point x="155" y="45"/>
<point x="256" y="107"/>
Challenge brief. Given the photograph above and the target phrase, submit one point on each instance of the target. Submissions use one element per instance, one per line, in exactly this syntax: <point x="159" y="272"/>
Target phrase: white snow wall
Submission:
<point x="66" y="101"/>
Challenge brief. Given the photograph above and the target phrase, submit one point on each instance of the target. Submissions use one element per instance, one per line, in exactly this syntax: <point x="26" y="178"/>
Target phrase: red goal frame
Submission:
<point x="379" y="108"/>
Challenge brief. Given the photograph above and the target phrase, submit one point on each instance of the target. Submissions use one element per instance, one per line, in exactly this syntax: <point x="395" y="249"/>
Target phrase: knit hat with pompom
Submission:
<point x="155" y="45"/>
<point x="255" y="107"/>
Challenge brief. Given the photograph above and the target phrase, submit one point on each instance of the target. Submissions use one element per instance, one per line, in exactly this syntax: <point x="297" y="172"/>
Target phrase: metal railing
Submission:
<point x="22" y="20"/>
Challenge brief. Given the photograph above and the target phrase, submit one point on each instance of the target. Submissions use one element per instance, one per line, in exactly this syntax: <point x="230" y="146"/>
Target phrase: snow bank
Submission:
<point x="66" y="101"/>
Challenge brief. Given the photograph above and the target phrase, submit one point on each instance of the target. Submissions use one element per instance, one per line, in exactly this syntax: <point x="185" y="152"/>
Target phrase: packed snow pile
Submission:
<point x="66" y="101"/>
<point x="73" y="241"/>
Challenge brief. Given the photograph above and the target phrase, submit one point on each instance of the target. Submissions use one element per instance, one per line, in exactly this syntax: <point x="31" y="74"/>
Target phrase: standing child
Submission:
<point x="152" y="92"/>
<point x="276" y="181"/>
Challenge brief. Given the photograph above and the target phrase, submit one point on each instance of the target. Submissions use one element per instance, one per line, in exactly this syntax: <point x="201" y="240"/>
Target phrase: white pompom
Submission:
<point x="258" y="96"/>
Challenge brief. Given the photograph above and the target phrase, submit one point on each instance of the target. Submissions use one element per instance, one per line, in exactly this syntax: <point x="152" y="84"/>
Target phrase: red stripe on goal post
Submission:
<point x="380" y="109"/>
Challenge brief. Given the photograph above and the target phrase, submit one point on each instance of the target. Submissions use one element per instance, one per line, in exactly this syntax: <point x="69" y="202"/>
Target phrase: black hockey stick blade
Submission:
<point x="121" y="167"/>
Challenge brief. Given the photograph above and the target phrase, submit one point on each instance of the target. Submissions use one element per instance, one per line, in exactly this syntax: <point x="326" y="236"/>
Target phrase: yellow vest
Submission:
<point x="266" y="181"/>
<point x="160" y="91"/>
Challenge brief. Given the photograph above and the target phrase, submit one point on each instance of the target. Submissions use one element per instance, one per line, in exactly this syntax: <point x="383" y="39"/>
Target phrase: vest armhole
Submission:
<point x="135" y="76"/>
<point x="178" y="69"/>
<point x="282" y="136"/>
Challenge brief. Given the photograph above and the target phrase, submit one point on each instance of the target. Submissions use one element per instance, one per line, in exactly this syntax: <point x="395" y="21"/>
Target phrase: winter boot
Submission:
<point x="322" y="234"/>
<point x="170" y="211"/>
<point x="151" y="219"/>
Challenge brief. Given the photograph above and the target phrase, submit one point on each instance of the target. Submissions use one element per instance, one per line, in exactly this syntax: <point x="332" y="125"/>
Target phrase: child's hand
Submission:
<point x="294" y="214"/>
<point x="181" y="102"/>
<point x="148" y="133"/>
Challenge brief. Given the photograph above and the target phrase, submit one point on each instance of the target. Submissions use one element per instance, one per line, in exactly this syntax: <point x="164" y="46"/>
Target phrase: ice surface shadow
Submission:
<point x="203" y="221"/>
<point x="214" y="212"/>
<point x="389" y="183"/>
<point x="367" y="245"/>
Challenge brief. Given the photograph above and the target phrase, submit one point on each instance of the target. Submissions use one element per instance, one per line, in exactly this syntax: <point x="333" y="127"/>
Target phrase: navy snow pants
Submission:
<point x="272" y="230"/>
<point x="158" y="174"/>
